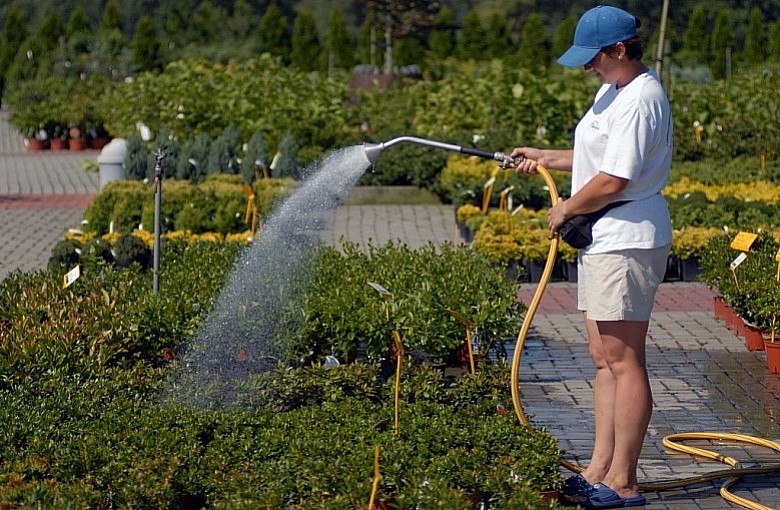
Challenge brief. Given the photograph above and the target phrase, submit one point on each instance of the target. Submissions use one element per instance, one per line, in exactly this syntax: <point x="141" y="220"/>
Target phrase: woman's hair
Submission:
<point x="635" y="48"/>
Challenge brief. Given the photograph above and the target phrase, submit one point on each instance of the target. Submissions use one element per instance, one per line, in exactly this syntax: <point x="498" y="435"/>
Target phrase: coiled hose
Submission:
<point x="672" y="441"/>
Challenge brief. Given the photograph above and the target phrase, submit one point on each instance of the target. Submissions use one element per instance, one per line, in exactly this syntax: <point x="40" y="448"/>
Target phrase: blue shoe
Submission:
<point x="601" y="496"/>
<point x="575" y="490"/>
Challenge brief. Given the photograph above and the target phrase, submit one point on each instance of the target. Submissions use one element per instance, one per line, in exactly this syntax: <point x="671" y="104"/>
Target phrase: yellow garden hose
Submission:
<point x="673" y="441"/>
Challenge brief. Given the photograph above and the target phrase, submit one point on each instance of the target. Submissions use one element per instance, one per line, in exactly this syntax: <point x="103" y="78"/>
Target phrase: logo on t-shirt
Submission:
<point x="595" y="125"/>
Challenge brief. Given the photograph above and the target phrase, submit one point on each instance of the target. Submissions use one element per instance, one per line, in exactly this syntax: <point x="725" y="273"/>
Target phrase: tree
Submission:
<point x="338" y="43"/>
<point x="773" y="48"/>
<point x="12" y="37"/>
<point x="274" y="38"/>
<point x="399" y="18"/>
<point x="471" y="44"/>
<point x="695" y="43"/>
<point x="79" y="32"/>
<point x="242" y="20"/>
<point x="145" y="46"/>
<point x="498" y="43"/>
<point x="206" y="21"/>
<point x="755" y="51"/>
<point x="564" y="36"/>
<point x="534" y="50"/>
<point x="50" y="32"/>
<point x="722" y="44"/>
<point x="443" y="38"/>
<point x="306" y="47"/>
<point x="110" y="39"/>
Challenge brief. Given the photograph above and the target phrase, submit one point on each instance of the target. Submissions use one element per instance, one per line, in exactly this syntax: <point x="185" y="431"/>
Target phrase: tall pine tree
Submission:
<point x="306" y="47"/>
<point x="443" y="38"/>
<point x="471" y="44"/>
<point x="274" y="37"/>
<point x="755" y="39"/>
<point x="534" y="50"/>
<point x="695" y="41"/>
<point x="13" y="36"/>
<point x="338" y="43"/>
<point x="146" y="46"/>
<point x="722" y="45"/>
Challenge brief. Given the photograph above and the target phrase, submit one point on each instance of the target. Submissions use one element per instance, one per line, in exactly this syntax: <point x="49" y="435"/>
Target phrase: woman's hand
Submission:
<point x="556" y="217"/>
<point x="528" y="158"/>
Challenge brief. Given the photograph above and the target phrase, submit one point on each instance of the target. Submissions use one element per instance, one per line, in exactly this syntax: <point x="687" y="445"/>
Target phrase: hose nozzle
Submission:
<point x="373" y="150"/>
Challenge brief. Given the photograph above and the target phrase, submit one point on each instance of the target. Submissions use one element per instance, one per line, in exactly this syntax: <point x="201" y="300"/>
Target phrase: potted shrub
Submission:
<point x="687" y="245"/>
<point x="28" y="105"/>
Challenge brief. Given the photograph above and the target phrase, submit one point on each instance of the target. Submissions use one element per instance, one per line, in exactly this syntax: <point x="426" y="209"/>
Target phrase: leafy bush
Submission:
<point x="80" y="396"/>
<point x="130" y="250"/>
<point x="216" y="205"/>
<point x="345" y="315"/>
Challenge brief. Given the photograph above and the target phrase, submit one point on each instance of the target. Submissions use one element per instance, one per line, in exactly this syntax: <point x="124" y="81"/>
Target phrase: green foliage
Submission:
<point x="338" y="43"/>
<point x="755" y="51"/>
<point x="285" y="163"/>
<point x="751" y="289"/>
<point x="255" y="161"/>
<point x="722" y="44"/>
<point x="344" y="314"/>
<point x="306" y="47"/>
<point x="442" y="40"/>
<point x="534" y="50"/>
<point x="80" y="381"/>
<point x="471" y="44"/>
<point x="216" y="205"/>
<point x="273" y="33"/>
<point x="130" y="250"/>
<point x="65" y="254"/>
<point x="146" y="46"/>
<point x="137" y="158"/>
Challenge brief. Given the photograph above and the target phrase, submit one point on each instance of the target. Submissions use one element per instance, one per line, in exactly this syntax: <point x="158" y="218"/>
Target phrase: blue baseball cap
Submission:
<point x="598" y="28"/>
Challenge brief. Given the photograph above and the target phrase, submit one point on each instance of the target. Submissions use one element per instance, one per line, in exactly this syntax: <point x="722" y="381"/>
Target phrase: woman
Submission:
<point x="622" y="151"/>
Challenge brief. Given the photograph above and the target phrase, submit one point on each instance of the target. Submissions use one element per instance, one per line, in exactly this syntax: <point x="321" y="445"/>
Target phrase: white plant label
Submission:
<point x="739" y="260"/>
<point x="71" y="276"/>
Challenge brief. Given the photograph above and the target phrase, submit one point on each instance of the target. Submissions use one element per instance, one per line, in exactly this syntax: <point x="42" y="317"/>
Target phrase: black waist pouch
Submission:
<point x="578" y="230"/>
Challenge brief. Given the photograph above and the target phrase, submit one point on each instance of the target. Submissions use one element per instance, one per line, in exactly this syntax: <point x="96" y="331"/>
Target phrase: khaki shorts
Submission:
<point x="621" y="285"/>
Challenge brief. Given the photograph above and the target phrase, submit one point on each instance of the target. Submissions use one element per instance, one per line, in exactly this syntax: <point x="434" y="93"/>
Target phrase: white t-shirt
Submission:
<point x="628" y="133"/>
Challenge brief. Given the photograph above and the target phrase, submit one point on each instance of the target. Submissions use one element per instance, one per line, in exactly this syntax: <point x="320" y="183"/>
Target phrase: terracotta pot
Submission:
<point x="754" y="338"/>
<point x="58" y="144"/>
<point x="33" y="144"/>
<point x="772" y="355"/>
<point x="77" y="144"/>
<point x="719" y="308"/>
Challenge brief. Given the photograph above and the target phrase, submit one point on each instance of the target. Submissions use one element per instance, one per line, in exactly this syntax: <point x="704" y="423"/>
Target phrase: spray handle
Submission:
<point x="505" y="160"/>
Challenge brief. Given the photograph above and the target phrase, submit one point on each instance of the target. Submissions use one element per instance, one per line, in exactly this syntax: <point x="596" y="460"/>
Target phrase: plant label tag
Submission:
<point x="737" y="261"/>
<point x="777" y="257"/>
<point x="743" y="240"/>
<point x="489" y="182"/>
<point x="382" y="291"/>
<point x="71" y="276"/>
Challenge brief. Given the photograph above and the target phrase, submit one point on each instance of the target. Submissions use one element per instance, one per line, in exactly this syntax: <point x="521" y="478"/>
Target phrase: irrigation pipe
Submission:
<point x="673" y="441"/>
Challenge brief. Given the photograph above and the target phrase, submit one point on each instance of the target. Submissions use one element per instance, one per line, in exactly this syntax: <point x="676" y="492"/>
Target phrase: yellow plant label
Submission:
<point x="739" y="260"/>
<point x="777" y="257"/>
<point x="743" y="241"/>
<point x="71" y="276"/>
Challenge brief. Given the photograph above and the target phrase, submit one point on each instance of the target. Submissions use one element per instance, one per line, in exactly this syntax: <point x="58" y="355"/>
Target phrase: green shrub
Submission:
<point x="129" y="250"/>
<point x="344" y="314"/>
<point x="65" y="254"/>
